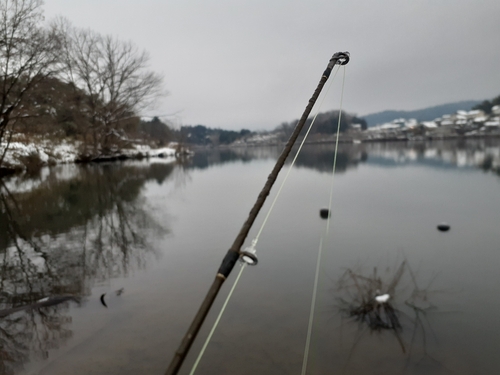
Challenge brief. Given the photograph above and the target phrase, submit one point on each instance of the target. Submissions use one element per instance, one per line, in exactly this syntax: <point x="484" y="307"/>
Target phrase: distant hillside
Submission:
<point x="425" y="114"/>
<point x="201" y="135"/>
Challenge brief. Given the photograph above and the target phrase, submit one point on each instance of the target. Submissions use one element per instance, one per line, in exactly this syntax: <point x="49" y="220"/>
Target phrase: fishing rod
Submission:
<point x="235" y="252"/>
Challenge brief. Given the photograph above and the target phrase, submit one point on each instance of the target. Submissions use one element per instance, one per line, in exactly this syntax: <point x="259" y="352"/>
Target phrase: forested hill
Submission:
<point x="425" y="114"/>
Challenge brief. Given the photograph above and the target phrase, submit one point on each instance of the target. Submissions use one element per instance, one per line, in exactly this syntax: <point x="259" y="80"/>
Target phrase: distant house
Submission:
<point x="480" y="119"/>
<point x="389" y="126"/>
<point x="476" y="112"/>
<point x="493" y="123"/>
<point x="429" y="125"/>
<point x="447" y="122"/>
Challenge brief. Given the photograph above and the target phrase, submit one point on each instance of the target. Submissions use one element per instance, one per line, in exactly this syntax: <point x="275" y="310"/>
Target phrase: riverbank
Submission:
<point x="31" y="155"/>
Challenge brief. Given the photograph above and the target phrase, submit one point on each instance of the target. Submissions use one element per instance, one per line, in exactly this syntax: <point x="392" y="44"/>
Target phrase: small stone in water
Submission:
<point x="443" y="227"/>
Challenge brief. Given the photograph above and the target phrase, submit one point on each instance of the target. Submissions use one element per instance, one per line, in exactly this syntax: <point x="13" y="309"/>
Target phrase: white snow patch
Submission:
<point x="67" y="152"/>
<point x="382" y="298"/>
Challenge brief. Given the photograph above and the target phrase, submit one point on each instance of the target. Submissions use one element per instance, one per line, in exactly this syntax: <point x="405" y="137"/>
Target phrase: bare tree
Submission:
<point x="115" y="78"/>
<point x="28" y="53"/>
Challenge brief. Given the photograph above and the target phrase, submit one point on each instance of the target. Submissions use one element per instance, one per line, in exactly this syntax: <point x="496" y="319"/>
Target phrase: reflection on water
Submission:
<point x="205" y="158"/>
<point x="475" y="153"/>
<point x="317" y="157"/>
<point x="61" y="235"/>
<point x="68" y="229"/>
<point x="478" y="153"/>
<point x="32" y="334"/>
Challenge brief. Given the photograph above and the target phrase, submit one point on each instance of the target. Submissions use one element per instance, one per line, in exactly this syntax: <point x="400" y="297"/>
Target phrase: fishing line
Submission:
<point x="251" y="248"/>
<point x="216" y="323"/>
<point x="295" y="158"/>
<point x="335" y="154"/>
<point x="320" y="250"/>
<point x="311" y="314"/>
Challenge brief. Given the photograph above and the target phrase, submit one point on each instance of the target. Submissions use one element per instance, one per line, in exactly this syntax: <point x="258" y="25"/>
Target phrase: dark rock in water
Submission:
<point x="443" y="227"/>
<point x="324" y="213"/>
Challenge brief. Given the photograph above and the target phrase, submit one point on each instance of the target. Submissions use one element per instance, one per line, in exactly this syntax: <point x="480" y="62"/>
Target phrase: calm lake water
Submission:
<point x="157" y="232"/>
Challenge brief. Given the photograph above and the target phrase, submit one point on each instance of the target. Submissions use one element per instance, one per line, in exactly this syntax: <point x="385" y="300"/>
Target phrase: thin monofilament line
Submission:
<point x="216" y="323"/>
<point x="254" y="242"/>
<point x="321" y="243"/>
<point x="295" y="158"/>
<point x="311" y="314"/>
<point x="335" y="157"/>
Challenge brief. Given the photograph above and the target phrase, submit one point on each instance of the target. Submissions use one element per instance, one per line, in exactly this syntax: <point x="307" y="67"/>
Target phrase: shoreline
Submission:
<point x="30" y="156"/>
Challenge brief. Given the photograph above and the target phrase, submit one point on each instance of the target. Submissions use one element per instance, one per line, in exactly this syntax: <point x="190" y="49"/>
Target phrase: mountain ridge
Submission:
<point x="423" y="114"/>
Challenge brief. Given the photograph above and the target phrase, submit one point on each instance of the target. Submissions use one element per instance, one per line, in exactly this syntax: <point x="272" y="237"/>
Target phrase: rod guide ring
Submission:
<point x="248" y="258"/>
<point x="343" y="57"/>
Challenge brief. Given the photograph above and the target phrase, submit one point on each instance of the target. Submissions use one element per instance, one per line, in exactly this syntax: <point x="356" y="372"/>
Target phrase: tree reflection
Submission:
<point x="320" y="157"/>
<point x="58" y="240"/>
<point x="470" y="153"/>
<point x="203" y="159"/>
<point x="32" y="333"/>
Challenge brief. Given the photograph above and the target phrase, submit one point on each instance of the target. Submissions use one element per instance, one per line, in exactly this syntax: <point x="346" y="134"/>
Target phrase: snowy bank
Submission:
<point x="33" y="155"/>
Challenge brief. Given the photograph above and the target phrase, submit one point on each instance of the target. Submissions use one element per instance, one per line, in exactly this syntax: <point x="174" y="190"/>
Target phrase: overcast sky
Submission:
<point x="253" y="64"/>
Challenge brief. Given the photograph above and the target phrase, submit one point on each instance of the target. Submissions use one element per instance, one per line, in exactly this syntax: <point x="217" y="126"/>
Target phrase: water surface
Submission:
<point x="159" y="231"/>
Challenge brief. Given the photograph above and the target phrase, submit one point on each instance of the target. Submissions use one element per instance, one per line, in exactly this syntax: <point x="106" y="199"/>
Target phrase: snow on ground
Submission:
<point x="49" y="153"/>
<point x="18" y="150"/>
<point x="65" y="152"/>
<point x="46" y="151"/>
<point x="149" y="152"/>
